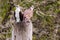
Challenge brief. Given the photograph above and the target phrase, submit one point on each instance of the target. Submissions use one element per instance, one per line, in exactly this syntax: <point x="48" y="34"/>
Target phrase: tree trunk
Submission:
<point x="22" y="31"/>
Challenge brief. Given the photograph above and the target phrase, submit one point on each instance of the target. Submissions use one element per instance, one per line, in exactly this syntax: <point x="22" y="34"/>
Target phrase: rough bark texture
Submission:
<point x="22" y="31"/>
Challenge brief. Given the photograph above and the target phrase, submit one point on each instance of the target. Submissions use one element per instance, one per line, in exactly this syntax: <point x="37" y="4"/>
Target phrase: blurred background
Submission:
<point x="46" y="18"/>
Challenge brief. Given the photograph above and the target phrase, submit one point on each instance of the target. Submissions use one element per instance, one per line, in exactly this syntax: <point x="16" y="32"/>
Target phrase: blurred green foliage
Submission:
<point x="46" y="19"/>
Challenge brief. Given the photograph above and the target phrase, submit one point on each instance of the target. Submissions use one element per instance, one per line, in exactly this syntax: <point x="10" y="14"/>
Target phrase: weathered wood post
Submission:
<point x="23" y="29"/>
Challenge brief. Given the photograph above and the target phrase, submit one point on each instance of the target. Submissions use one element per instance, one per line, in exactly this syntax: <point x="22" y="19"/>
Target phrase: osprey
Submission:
<point x="18" y="14"/>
